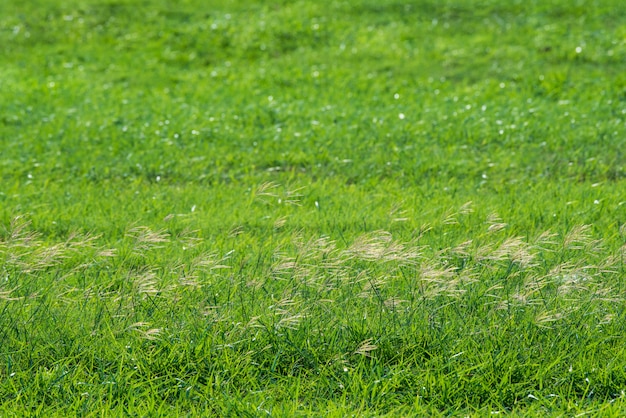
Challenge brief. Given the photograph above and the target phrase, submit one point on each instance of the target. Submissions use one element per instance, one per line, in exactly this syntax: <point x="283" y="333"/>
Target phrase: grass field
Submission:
<point x="332" y="208"/>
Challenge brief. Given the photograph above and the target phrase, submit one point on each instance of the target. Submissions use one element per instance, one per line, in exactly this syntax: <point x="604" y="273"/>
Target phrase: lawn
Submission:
<point x="293" y="208"/>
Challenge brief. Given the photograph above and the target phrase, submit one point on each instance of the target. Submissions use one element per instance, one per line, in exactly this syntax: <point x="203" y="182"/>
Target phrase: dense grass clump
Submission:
<point x="289" y="208"/>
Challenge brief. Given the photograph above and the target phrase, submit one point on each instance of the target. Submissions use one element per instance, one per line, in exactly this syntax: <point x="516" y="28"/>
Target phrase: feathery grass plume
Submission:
<point x="360" y="277"/>
<point x="40" y="258"/>
<point x="316" y="248"/>
<point x="423" y="229"/>
<point x="562" y="268"/>
<point x="512" y="249"/>
<point x="76" y="240"/>
<point x="467" y="277"/>
<point x="292" y="197"/>
<point x="18" y="234"/>
<point x="579" y="238"/>
<point x="519" y="252"/>
<point x="209" y="261"/>
<point x="449" y="288"/>
<point x="68" y="296"/>
<point x="144" y="283"/>
<point x="188" y="238"/>
<point x="69" y="271"/>
<point x="546" y="319"/>
<point x="279" y="306"/>
<point x="265" y="190"/>
<point x="152" y="333"/>
<point x="610" y="264"/>
<point x="461" y="250"/>
<point x="169" y="217"/>
<point x="397" y="214"/>
<point x="291" y="269"/>
<point x="269" y="191"/>
<point x="608" y="294"/>
<point x="148" y="334"/>
<point x="316" y="261"/>
<point x="185" y="273"/>
<point x="545" y="241"/>
<point x="432" y="272"/>
<point x="236" y="231"/>
<point x="534" y="284"/>
<point x="283" y="317"/>
<point x="146" y="239"/>
<point x="495" y="223"/>
<point x="254" y="322"/>
<point x="284" y="266"/>
<point x="280" y="222"/>
<point x="515" y="300"/>
<point x="6" y="295"/>
<point x="288" y="321"/>
<point x="366" y="348"/>
<point x="466" y="208"/>
<point x="483" y="253"/>
<point x="255" y="283"/>
<point x="107" y="252"/>
<point x="380" y="246"/>
<point x="607" y="265"/>
<point x="437" y="278"/>
<point x="450" y="217"/>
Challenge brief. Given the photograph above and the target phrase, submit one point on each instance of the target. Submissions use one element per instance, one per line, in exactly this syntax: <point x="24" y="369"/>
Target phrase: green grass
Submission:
<point x="290" y="208"/>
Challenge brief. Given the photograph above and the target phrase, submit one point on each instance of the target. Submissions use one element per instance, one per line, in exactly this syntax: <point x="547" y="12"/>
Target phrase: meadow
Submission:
<point x="332" y="208"/>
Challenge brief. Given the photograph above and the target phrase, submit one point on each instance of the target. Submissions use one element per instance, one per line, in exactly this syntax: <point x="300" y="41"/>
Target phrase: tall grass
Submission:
<point x="287" y="208"/>
<point x="377" y="323"/>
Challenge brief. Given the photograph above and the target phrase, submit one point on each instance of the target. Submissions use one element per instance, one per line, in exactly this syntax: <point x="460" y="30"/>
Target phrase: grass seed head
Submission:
<point x="366" y="348"/>
<point x="146" y="239"/>
<point x="578" y="238"/>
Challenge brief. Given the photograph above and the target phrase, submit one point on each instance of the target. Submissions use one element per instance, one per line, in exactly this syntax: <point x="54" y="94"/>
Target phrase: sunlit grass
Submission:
<point x="312" y="208"/>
